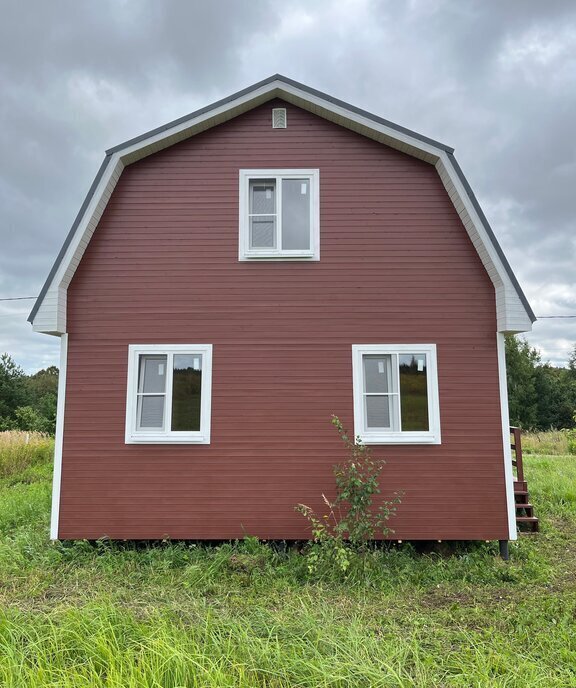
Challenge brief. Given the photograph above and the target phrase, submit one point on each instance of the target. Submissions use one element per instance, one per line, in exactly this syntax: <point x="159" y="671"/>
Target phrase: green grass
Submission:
<point x="243" y="614"/>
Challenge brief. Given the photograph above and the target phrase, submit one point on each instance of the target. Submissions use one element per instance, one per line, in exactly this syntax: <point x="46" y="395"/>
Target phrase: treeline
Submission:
<point x="540" y="396"/>
<point x="27" y="402"/>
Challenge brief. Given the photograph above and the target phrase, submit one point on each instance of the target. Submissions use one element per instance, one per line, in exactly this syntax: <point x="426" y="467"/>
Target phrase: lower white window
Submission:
<point x="169" y="393"/>
<point x="396" y="393"/>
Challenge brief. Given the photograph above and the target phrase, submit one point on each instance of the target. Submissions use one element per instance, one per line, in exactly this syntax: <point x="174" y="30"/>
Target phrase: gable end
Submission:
<point x="513" y="311"/>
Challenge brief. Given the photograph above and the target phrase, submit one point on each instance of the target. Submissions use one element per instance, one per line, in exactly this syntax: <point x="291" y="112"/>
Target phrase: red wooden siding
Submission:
<point x="396" y="267"/>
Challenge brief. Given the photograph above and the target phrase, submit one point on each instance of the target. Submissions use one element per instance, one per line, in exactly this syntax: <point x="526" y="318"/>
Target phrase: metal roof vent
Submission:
<point x="279" y="118"/>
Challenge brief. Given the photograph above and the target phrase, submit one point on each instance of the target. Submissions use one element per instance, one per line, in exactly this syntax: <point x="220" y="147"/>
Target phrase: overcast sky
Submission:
<point x="495" y="80"/>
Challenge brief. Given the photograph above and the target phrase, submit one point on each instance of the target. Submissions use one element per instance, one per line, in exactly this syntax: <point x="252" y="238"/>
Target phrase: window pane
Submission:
<point x="262" y="231"/>
<point x="152" y="373"/>
<point x="296" y="214"/>
<point x="186" y="392"/>
<point x="378" y="373"/>
<point x="414" y="392"/>
<point x="378" y="412"/>
<point x="263" y="196"/>
<point x="151" y="412"/>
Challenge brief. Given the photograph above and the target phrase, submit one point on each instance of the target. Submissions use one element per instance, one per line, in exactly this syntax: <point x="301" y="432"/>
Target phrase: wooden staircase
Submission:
<point x="525" y="519"/>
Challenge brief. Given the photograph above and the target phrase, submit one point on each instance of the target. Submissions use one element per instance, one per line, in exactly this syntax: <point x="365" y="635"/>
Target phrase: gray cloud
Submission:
<point x="495" y="80"/>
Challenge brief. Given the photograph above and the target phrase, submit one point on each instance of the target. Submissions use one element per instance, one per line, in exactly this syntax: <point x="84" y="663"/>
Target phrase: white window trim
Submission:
<point x="268" y="254"/>
<point x="168" y="437"/>
<point x="432" y="436"/>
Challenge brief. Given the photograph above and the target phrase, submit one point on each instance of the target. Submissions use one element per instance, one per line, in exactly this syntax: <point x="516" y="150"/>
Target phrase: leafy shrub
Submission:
<point x="351" y="522"/>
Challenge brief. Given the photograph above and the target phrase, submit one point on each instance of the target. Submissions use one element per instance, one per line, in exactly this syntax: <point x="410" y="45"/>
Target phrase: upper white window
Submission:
<point x="279" y="214"/>
<point x="169" y="393"/>
<point x="396" y="393"/>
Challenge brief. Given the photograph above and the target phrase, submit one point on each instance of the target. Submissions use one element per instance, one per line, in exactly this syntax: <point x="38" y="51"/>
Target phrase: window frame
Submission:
<point x="268" y="254"/>
<point x="430" y="436"/>
<point x="135" y="436"/>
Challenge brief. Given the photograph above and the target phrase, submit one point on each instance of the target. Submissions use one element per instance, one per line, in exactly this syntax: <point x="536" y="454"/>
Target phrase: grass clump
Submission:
<point x="240" y="614"/>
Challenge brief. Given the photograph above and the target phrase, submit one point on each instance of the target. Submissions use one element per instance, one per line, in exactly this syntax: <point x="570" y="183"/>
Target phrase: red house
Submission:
<point x="236" y="277"/>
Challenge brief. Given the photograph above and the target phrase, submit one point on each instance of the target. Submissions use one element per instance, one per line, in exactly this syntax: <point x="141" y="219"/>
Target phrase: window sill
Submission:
<point x="400" y="438"/>
<point x="308" y="256"/>
<point x="167" y="439"/>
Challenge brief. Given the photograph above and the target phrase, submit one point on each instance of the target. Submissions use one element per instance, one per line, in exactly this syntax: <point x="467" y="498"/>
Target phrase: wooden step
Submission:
<point x="531" y="521"/>
<point x="525" y="518"/>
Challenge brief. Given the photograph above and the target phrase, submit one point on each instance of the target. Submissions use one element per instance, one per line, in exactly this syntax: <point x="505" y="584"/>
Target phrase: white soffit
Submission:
<point x="513" y="311"/>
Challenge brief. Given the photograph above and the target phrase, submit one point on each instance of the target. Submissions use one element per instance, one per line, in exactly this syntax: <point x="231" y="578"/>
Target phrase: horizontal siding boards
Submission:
<point x="162" y="267"/>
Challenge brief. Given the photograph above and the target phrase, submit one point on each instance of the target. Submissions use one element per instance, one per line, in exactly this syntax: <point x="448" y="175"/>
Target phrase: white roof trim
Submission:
<point x="513" y="311"/>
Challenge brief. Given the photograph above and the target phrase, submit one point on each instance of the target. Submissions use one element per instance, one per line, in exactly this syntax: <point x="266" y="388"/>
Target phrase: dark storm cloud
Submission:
<point x="496" y="80"/>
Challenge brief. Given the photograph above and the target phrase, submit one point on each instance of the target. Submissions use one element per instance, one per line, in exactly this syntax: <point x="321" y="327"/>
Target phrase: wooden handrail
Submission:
<point x="517" y="447"/>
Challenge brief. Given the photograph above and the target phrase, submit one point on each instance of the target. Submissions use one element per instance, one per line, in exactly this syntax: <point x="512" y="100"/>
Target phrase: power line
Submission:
<point x="29" y="298"/>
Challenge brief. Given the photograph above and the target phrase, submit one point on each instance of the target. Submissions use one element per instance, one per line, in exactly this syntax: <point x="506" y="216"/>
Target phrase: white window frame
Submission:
<point x="432" y="436"/>
<point x="271" y="254"/>
<point x="135" y="436"/>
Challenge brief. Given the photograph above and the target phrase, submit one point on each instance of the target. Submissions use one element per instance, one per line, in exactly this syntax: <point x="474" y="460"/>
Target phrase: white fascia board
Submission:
<point x="291" y="94"/>
<point x="231" y="109"/>
<point x="51" y="315"/>
<point x="510" y="312"/>
<point x="304" y="99"/>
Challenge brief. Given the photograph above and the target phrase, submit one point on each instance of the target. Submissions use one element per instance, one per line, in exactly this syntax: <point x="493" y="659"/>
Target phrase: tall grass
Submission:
<point x="550" y="442"/>
<point x="248" y="615"/>
<point x="20" y="451"/>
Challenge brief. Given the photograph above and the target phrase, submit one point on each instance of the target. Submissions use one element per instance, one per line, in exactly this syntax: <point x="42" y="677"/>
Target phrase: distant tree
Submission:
<point x="541" y="396"/>
<point x="556" y="397"/>
<point x="13" y="390"/>
<point x="27" y="402"/>
<point x="43" y="387"/>
<point x="572" y="363"/>
<point x="521" y="362"/>
<point x="43" y="382"/>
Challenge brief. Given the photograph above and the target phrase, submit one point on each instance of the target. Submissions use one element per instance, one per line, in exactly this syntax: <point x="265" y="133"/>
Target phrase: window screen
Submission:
<point x="262" y="213"/>
<point x="151" y="392"/>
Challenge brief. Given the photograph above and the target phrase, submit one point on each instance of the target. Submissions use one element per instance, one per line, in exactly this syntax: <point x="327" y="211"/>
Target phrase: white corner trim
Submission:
<point x="202" y="436"/>
<point x="509" y="478"/>
<point x="59" y="439"/>
<point x="431" y="436"/>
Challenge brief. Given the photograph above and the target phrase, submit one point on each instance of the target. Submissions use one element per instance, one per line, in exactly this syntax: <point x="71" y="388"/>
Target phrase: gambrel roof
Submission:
<point x="513" y="310"/>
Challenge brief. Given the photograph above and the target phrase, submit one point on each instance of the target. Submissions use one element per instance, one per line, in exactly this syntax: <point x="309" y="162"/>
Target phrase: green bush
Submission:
<point x="351" y="522"/>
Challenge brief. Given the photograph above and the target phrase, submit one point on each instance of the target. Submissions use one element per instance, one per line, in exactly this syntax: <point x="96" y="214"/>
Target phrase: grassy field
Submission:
<point x="245" y="615"/>
<point x="553" y="442"/>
